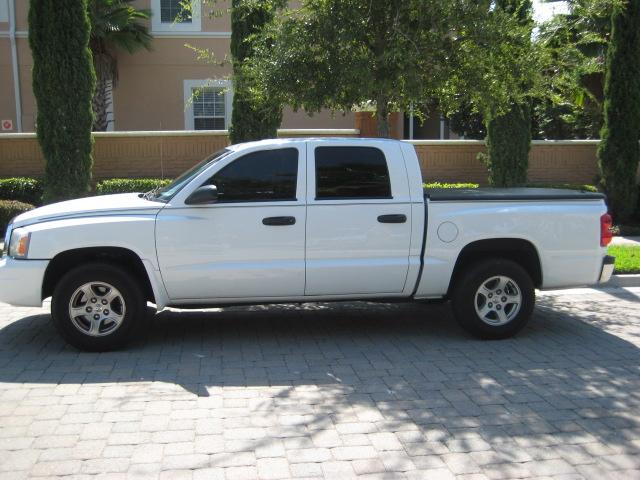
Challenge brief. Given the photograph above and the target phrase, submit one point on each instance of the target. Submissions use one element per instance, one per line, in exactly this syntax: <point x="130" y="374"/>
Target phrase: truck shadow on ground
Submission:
<point x="571" y="379"/>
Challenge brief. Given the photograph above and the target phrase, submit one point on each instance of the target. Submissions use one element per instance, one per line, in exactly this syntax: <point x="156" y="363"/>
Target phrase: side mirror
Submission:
<point x="203" y="195"/>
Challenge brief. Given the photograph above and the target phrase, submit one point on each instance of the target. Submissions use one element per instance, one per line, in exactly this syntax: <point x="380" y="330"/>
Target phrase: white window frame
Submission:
<point x="189" y="85"/>
<point x="4" y="10"/>
<point x="157" y="25"/>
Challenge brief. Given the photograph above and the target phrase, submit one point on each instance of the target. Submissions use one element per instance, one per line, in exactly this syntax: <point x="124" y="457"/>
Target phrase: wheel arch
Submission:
<point x="124" y="258"/>
<point x="518" y="250"/>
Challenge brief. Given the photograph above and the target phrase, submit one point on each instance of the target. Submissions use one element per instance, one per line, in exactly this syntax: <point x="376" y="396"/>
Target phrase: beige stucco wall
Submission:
<point x="7" y="104"/>
<point x="150" y="92"/>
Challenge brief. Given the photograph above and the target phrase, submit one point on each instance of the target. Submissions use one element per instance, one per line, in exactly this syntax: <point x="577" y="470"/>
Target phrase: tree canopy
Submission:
<point x="339" y="53"/>
<point x="254" y="116"/>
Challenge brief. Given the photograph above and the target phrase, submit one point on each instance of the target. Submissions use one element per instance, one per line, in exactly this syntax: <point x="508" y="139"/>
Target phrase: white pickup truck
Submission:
<point x="302" y="220"/>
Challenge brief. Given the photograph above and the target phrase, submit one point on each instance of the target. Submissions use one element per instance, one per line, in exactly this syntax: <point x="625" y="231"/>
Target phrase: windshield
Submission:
<point x="167" y="193"/>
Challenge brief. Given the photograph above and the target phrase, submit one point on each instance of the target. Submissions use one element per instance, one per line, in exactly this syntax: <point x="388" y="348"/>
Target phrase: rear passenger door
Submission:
<point x="358" y="219"/>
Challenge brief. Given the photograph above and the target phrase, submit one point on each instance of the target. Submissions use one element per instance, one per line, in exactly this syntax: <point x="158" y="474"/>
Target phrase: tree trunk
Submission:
<point x="101" y="103"/>
<point x="382" y="116"/>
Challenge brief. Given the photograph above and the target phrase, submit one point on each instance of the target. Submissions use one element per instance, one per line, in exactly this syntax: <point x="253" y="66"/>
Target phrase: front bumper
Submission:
<point x="21" y="281"/>
<point x="607" y="268"/>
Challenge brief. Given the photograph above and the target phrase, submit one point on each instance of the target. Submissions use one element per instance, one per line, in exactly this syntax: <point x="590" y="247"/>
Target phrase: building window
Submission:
<point x="175" y="15"/>
<point x="174" y="11"/>
<point x="208" y="108"/>
<point x="207" y="104"/>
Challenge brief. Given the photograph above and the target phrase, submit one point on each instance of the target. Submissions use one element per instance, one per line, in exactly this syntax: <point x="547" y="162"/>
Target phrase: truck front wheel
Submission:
<point x="493" y="298"/>
<point x="97" y="306"/>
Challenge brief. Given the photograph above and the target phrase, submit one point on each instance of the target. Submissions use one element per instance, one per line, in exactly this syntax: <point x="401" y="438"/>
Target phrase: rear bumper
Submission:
<point x="607" y="269"/>
<point x="21" y="281"/>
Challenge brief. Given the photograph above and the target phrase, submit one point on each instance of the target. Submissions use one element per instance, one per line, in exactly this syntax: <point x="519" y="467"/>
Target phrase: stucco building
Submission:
<point x="155" y="87"/>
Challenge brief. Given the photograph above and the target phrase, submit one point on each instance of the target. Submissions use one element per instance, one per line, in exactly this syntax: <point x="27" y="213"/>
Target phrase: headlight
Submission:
<point x="19" y="244"/>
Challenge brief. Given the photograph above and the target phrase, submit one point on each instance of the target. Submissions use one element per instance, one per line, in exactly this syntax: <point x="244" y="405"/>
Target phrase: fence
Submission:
<point x="166" y="154"/>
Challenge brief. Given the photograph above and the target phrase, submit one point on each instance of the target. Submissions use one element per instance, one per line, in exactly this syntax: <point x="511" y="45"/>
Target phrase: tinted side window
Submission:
<point x="259" y="177"/>
<point x="351" y="172"/>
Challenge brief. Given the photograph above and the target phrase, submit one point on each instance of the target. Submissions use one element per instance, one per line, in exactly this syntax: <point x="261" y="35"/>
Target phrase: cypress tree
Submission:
<point x="63" y="84"/>
<point x="508" y="143"/>
<point x="509" y="135"/>
<point x="253" y="117"/>
<point x="619" y="150"/>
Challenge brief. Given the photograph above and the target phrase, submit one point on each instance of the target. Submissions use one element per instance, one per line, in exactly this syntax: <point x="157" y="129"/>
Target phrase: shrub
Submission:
<point x="508" y="144"/>
<point x="9" y="209"/>
<point x="451" y="185"/>
<point x="129" y="185"/>
<point x="564" y="186"/>
<point x="22" y="189"/>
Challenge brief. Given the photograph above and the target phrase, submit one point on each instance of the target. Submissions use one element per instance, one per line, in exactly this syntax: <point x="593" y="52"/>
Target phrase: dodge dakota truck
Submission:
<point x="302" y="220"/>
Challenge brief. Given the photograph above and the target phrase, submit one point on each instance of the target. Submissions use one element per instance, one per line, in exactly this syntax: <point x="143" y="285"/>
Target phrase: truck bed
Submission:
<point x="507" y="194"/>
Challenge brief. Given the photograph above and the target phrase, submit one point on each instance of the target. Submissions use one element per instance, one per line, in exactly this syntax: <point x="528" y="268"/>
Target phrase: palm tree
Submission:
<point x="115" y="25"/>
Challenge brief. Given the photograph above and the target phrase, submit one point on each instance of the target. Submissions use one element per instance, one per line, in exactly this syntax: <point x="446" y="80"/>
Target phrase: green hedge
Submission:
<point x="9" y="209"/>
<point x="129" y="185"/>
<point x="450" y="185"/>
<point x="565" y="186"/>
<point x="21" y="189"/>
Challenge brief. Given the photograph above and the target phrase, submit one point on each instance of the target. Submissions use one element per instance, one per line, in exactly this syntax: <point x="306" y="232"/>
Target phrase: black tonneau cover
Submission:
<point x="505" y="194"/>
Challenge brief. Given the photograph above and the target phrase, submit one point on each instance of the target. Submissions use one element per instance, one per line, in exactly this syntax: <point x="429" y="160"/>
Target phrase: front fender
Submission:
<point x="133" y="232"/>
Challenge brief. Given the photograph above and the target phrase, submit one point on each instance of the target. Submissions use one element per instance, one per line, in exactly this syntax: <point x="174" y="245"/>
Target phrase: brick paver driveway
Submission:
<point x="329" y="391"/>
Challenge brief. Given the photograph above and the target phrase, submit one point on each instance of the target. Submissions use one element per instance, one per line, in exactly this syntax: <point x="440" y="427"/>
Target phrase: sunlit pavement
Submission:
<point x="329" y="391"/>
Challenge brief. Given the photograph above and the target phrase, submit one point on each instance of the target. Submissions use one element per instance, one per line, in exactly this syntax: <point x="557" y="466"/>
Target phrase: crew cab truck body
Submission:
<point x="299" y="221"/>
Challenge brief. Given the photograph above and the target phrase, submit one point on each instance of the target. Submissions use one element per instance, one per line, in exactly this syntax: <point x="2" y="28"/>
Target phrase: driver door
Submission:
<point x="248" y="244"/>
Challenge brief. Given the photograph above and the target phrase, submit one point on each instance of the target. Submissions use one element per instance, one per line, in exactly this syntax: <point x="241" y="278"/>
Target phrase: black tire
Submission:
<point x="465" y="297"/>
<point x="128" y="309"/>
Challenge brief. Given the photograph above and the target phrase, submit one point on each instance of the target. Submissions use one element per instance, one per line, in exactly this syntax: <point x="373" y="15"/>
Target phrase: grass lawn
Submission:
<point x="627" y="258"/>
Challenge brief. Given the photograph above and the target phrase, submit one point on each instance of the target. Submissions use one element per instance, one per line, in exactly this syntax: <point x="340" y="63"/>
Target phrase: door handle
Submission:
<point x="279" y="221"/>
<point x="394" y="218"/>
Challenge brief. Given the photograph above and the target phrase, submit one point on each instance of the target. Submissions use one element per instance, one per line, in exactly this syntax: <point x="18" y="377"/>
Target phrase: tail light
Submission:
<point x="606" y="234"/>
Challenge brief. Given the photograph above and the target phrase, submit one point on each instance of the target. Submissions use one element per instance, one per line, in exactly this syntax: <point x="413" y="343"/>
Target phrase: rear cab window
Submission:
<point x="351" y="172"/>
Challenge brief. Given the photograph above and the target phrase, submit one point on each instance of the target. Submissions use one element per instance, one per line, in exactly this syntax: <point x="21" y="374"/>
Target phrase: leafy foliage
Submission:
<point x="115" y="25"/>
<point x="573" y="48"/>
<point x="129" y="185"/>
<point x="63" y="84"/>
<point x="509" y="133"/>
<point x="340" y="53"/>
<point x="22" y="189"/>
<point x="564" y="186"/>
<point x="440" y="185"/>
<point x="254" y="116"/>
<point x="619" y="150"/>
<point x="9" y="209"/>
<point x="508" y="144"/>
<point x="468" y="123"/>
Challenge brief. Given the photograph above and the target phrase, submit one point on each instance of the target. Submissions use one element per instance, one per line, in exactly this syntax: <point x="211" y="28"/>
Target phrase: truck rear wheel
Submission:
<point x="493" y="298"/>
<point x="96" y="307"/>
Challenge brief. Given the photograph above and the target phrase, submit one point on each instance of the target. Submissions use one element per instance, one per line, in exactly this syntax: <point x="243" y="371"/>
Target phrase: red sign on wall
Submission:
<point x="7" y="124"/>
